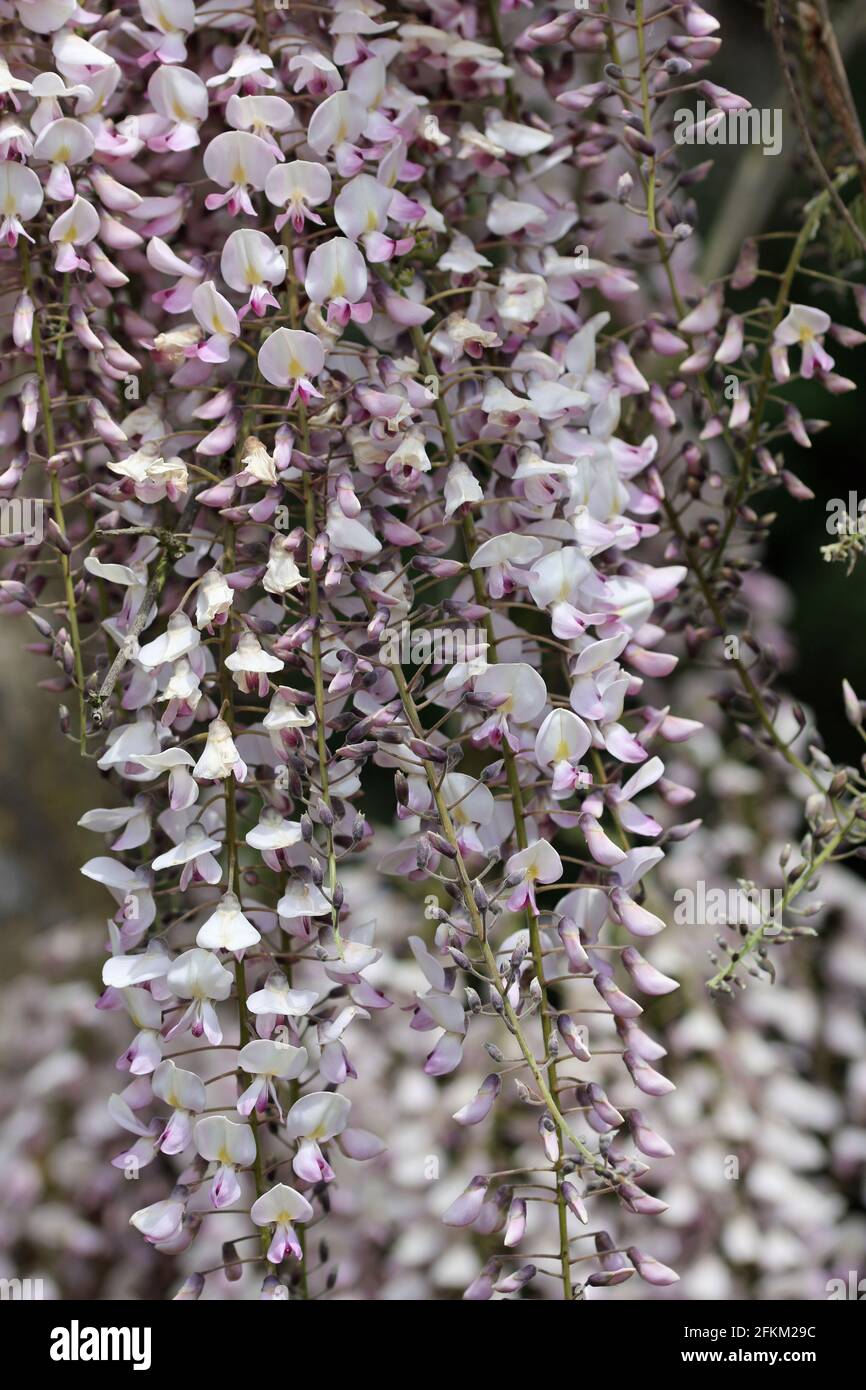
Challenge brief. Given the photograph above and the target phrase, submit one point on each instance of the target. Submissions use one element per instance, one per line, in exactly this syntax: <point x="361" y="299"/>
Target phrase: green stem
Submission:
<point x="755" y="937"/>
<point x="516" y="794"/>
<point x="647" y="117"/>
<point x="816" y="212"/>
<point x="56" y="495"/>
<point x="315" y="606"/>
<point x="477" y="924"/>
<point x="746" y="680"/>
<point x="233" y="878"/>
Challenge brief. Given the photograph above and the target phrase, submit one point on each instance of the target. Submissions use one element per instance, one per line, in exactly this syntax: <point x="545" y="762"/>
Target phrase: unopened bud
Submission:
<point x="839" y="783"/>
<point x="57" y="538"/>
<point x="232" y="1267"/>
<point x="442" y="845"/>
<point x="190" y="1289"/>
<point x="853" y="707"/>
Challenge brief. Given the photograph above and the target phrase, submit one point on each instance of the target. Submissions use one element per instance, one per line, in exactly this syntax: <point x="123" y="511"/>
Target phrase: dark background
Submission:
<point x="744" y="195"/>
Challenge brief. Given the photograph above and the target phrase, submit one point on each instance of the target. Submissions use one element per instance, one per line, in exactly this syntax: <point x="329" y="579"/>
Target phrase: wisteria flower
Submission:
<point x="805" y="326"/>
<point x="227" y="929"/>
<point x="268" y="1061"/>
<point x="184" y="1091"/>
<point x="389" y="459"/>
<point x="231" y="1146"/>
<point x="314" y="1119"/>
<point x="337" y="277"/>
<point x="238" y="162"/>
<point x="220" y="758"/>
<point x="21" y="196"/>
<point x="279" y="1207"/>
<point x="299" y="187"/>
<point x="197" y="975"/>
<point x="290" y="358"/>
<point x="538" y="863"/>
<point x="251" y="665"/>
<point x="251" y="264"/>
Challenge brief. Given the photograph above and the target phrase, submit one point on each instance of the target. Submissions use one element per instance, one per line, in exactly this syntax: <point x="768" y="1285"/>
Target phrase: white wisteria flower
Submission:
<point x="227" y="929"/>
<point x="197" y="975"/>
<point x="279" y="1207"/>
<point x="220" y="758"/>
<point x="268" y="1061"/>
<point x="232" y="1147"/>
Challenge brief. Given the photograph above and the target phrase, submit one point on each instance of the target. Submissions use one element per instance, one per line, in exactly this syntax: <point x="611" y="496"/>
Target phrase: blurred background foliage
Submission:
<point x="44" y="788"/>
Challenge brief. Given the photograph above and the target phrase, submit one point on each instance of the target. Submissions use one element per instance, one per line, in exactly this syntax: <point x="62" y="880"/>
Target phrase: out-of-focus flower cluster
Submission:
<point x="61" y="1222"/>
<point x="359" y="419"/>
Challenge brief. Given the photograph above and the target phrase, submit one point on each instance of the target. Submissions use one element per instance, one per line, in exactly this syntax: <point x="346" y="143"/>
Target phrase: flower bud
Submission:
<point x="465" y="1208"/>
<point x="190" y="1290"/>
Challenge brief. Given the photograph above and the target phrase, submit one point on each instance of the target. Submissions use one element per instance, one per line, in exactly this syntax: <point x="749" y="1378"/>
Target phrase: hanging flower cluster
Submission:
<point x="332" y="329"/>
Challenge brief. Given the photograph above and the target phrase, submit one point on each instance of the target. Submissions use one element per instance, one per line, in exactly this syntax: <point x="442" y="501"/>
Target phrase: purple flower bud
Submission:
<point x="192" y="1288"/>
<point x="595" y="1096"/>
<point x="619" y="1003"/>
<point x="22" y="321"/>
<point x="650" y="1269"/>
<point x="479" y="1108"/>
<point x="635" y="918"/>
<point x="610" y="1258"/>
<point x="645" y="976"/>
<point x="103" y="424"/>
<point x="646" y="1078"/>
<point x="605" y="1279"/>
<point x="492" y="1215"/>
<point x="576" y="1204"/>
<point x="518" y="1279"/>
<point x="569" y="935"/>
<point x="795" y="487"/>
<point x="571" y="1036"/>
<point x="549" y="1138"/>
<point x="853" y="706"/>
<point x="482" y="1286"/>
<point x="646" y="1139"/>
<point x="516" y="1227"/>
<point x="639" y="1201"/>
<point x="221" y="439"/>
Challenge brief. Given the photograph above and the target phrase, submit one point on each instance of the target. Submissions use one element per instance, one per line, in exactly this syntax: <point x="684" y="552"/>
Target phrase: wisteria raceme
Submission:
<point x="351" y="346"/>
